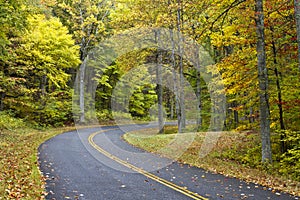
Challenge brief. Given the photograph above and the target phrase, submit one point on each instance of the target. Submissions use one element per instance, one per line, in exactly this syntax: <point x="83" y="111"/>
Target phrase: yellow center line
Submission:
<point x="173" y="186"/>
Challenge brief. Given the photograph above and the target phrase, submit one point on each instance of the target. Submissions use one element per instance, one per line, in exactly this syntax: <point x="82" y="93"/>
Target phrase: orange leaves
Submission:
<point x="237" y="108"/>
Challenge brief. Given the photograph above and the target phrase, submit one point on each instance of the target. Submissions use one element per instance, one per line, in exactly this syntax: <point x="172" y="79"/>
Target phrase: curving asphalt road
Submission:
<point x="96" y="164"/>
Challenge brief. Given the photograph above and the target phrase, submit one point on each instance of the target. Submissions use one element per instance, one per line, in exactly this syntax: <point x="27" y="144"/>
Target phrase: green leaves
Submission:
<point x="11" y="20"/>
<point x="86" y="21"/>
<point x="141" y="100"/>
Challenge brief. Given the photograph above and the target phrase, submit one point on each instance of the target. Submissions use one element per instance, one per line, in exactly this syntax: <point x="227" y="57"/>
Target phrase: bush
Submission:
<point x="104" y="115"/>
<point x="9" y="122"/>
<point x="290" y="164"/>
<point x="56" y="113"/>
<point x="290" y="161"/>
<point x="246" y="151"/>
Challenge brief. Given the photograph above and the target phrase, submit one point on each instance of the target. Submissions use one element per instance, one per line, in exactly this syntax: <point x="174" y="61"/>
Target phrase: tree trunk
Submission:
<point x="199" y="106"/>
<point x="2" y="96"/>
<point x="235" y="114"/>
<point x="282" y="126"/>
<point x="251" y="116"/>
<point x="297" y="17"/>
<point x="278" y="86"/>
<point x="236" y="118"/>
<point x="263" y="84"/>
<point x="43" y="85"/>
<point x="171" y="107"/>
<point x="198" y="90"/>
<point x="160" y="96"/>
<point x="182" y="122"/>
<point x="175" y="80"/>
<point x="81" y="91"/>
<point x="159" y="88"/>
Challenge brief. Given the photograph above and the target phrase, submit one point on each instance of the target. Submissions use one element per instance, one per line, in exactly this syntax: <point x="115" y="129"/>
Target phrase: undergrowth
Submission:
<point x="20" y="177"/>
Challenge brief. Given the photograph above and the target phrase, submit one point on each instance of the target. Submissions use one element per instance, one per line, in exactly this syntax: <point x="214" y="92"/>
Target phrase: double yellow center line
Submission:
<point x="173" y="186"/>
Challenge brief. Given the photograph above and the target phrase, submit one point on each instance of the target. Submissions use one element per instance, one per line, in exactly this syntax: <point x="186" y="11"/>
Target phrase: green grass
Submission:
<point x="20" y="177"/>
<point x="235" y="155"/>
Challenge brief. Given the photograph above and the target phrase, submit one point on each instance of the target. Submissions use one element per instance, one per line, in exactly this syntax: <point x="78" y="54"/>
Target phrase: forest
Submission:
<point x="57" y="68"/>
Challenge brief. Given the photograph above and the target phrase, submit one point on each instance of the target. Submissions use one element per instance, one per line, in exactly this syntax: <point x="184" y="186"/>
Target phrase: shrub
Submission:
<point x="9" y="122"/>
<point x="104" y="115"/>
<point x="290" y="161"/>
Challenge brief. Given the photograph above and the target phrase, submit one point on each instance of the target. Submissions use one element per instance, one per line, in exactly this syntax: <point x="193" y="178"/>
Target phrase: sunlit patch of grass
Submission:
<point x="232" y="155"/>
<point x="148" y="140"/>
<point x="20" y="177"/>
<point x="169" y="144"/>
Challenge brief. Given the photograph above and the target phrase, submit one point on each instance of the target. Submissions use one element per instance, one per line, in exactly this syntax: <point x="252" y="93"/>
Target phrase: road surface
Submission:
<point x="96" y="164"/>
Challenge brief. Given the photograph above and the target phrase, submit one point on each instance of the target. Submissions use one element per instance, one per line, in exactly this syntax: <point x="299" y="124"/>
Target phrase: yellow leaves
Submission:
<point x="47" y="49"/>
<point x="85" y="19"/>
<point x="164" y="20"/>
<point x="94" y="9"/>
<point x="239" y="73"/>
<point x="275" y="15"/>
<point x="229" y="35"/>
<point x="217" y="40"/>
<point x="49" y="2"/>
<point x="89" y="20"/>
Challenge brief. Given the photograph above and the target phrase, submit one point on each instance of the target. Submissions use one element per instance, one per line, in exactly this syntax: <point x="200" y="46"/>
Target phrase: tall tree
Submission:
<point x="12" y="20"/>
<point x="297" y="18"/>
<point x="36" y="73"/>
<point x="159" y="86"/>
<point x="87" y="20"/>
<point x="179" y="25"/>
<point x="263" y="84"/>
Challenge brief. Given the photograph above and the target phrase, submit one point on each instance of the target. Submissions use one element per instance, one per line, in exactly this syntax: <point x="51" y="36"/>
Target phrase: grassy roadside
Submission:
<point x="231" y="156"/>
<point x="20" y="177"/>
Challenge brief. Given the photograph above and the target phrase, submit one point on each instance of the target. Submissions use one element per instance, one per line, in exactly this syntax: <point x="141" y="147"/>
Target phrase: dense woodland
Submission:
<point x="44" y="46"/>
